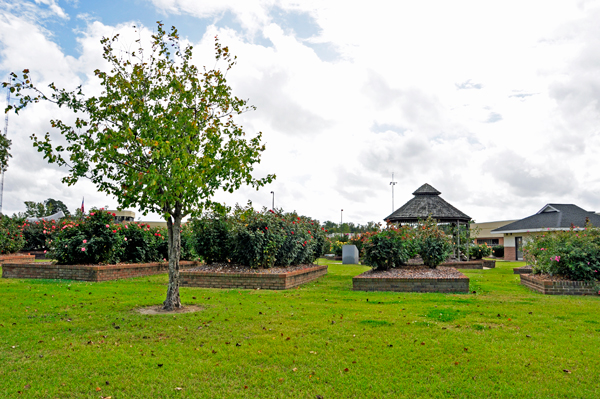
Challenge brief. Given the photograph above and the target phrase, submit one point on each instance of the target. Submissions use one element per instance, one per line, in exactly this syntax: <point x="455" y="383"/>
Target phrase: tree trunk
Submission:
<point x="174" y="225"/>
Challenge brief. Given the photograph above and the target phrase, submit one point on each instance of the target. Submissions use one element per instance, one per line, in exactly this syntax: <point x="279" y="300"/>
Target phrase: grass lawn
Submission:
<point x="65" y="339"/>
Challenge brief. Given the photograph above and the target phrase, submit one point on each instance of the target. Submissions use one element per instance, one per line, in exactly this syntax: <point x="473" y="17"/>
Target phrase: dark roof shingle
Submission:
<point x="553" y="216"/>
<point x="427" y="202"/>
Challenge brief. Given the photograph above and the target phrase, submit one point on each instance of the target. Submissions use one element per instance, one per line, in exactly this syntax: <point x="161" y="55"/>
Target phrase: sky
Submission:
<point x="495" y="103"/>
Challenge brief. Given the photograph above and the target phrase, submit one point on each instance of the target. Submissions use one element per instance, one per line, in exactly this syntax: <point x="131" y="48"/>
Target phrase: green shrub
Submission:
<point x="498" y="251"/>
<point x="140" y="244"/>
<point x="479" y="251"/>
<point x="92" y="240"/>
<point x="573" y="254"/>
<point x="38" y="234"/>
<point x="11" y="236"/>
<point x="212" y="238"/>
<point x="433" y="245"/>
<point x="389" y="248"/>
<point x="259" y="239"/>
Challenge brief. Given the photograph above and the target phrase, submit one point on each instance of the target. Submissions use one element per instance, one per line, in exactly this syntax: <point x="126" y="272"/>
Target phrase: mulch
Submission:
<point x="414" y="272"/>
<point x="548" y="277"/>
<point x="237" y="268"/>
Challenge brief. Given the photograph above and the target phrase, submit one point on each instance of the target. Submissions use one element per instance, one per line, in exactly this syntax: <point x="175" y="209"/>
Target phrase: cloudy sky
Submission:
<point x="493" y="103"/>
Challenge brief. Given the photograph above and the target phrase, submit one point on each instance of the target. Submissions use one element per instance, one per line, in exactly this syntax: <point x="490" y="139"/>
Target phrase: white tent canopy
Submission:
<point x="58" y="215"/>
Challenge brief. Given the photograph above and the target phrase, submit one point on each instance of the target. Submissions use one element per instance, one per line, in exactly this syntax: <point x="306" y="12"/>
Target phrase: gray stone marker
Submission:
<point x="349" y="255"/>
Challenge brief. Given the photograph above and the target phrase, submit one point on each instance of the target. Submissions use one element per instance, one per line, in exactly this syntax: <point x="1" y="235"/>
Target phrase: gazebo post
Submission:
<point x="458" y="239"/>
<point x="468" y="236"/>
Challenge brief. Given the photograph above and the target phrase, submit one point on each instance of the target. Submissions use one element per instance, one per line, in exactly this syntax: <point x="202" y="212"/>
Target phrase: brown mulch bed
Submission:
<point x="548" y="277"/>
<point x="414" y="272"/>
<point x="236" y="268"/>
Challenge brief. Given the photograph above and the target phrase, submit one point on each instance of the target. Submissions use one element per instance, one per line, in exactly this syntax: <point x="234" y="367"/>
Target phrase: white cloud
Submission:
<point x="494" y="104"/>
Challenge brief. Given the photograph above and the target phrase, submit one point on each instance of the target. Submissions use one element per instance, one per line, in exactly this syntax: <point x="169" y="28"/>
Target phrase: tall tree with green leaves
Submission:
<point x="160" y="137"/>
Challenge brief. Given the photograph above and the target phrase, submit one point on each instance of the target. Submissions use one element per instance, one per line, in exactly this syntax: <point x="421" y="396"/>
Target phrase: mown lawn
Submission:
<point x="64" y="339"/>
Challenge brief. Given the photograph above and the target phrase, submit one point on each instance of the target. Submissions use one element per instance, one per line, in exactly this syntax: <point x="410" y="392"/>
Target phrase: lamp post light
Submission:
<point x="393" y="183"/>
<point x="273" y="205"/>
<point x="341" y="221"/>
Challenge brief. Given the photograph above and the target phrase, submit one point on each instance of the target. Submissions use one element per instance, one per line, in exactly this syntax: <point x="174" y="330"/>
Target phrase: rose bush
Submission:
<point x="573" y="254"/>
<point x="263" y="239"/>
<point x="11" y="236"/>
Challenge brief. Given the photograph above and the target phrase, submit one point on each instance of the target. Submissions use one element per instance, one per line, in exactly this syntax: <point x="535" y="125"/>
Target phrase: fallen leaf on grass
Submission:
<point x="106" y="397"/>
<point x="98" y="389"/>
<point x="346" y="369"/>
<point x="178" y="389"/>
<point x="567" y="371"/>
<point x="295" y="369"/>
<point x="160" y="365"/>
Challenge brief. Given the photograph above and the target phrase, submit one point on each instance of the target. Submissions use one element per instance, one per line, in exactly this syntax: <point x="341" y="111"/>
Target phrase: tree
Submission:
<point x="160" y="137"/>
<point x="46" y="208"/>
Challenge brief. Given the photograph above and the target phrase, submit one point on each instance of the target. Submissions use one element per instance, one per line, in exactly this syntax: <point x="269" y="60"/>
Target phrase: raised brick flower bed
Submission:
<point x="559" y="287"/>
<point x="252" y="280"/>
<point x="447" y="280"/>
<point x="472" y="264"/>
<point x="49" y="270"/>
<point x="523" y="270"/>
<point x="16" y="258"/>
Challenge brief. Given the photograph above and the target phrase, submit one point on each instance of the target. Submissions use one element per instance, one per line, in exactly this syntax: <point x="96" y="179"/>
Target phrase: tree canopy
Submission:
<point x="161" y="136"/>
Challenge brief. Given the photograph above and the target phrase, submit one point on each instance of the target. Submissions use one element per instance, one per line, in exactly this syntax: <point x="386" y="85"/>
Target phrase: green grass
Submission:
<point x="59" y="339"/>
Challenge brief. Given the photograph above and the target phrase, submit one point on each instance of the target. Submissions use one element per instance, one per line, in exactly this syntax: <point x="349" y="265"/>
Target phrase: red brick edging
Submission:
<point x="397" y="284"/>
<point x="16" y="258"/>
<point x="47" y="270"/>
<point x="547" y="287"/>
<point x="268" y="281"/>
<point x="522" y="270"/>
<point x="471" y="264"/>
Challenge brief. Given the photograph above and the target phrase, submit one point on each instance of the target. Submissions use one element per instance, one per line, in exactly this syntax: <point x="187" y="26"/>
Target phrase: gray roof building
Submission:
<point x="427" y="202"/>
<point x="553" y="217"/>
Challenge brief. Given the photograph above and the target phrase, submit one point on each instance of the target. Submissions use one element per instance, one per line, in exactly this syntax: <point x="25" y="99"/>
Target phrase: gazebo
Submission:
<point x="425" y="203"/>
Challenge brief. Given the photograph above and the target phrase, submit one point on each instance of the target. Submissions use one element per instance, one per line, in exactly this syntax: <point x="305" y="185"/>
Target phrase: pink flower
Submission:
<point x="83" y="249"/>
<point x="125" y="238"/>
<point x="107" y="226"/>
<point x="92" y="214"/>
<point x="84" y="241"/>
<point x="114" y="231"/>
<point x="45" y="251"/>
<point x="126" y="227"/>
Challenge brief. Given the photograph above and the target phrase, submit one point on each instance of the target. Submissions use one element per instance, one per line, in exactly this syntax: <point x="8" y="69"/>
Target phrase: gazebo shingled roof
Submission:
<point x="427" y="202"/>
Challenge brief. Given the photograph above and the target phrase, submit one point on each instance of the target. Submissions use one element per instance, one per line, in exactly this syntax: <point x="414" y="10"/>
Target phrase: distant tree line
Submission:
<point x="350" y="227"/>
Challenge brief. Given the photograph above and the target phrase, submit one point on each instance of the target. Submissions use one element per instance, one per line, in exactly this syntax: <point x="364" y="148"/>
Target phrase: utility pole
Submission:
<point x="393" y="183"/>
<point x="273" y="206"/>
<point x="341" y="220"/>
<point x="5" y="135"/>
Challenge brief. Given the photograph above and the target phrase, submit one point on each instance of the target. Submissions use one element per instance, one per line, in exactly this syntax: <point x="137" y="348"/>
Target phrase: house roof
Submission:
<point x="427" y="202"/>
<point x="552" y="216"/>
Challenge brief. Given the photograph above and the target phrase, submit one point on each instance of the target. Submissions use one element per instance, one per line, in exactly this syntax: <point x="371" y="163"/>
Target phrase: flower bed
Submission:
<point x="472" y="264"/>
<point x="47" y="270"/>
<point x="276" y="278"/>
<point x="555" y="286"/>
<point x="412" y="279"/>
<point x="523" y="270"/>
<point x="16" y="258"/>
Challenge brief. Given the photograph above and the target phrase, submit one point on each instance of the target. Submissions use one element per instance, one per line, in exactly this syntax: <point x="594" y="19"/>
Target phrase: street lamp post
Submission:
<point x="341" y="221"/>
<point x="273" y="206"/>
<point x="393" y="183"/>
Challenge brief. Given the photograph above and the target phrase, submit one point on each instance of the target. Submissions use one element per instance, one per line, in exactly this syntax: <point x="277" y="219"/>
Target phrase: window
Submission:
<point x="488" y="241"/>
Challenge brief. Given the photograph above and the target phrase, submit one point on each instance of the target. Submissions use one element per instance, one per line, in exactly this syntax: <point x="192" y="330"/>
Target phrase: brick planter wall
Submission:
<point x="471" y="264"/>
<point x="457" y="284"/>
<point x="85" y="272"/>
<point x="522" y="270"/>
<point x="16" y="258"/>
<point x="267" y="281"/>
<point x="559" y="287"/>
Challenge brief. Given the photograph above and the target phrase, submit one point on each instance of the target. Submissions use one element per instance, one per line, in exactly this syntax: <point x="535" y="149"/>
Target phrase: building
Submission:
<point x="482" y="232"/>
<point x="123" y="216"/>
<point x="550" y="217"/>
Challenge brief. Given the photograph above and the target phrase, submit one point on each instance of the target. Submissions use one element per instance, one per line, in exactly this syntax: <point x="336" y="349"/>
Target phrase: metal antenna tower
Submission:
<point x="5" y="135"/>
<point x="393" y="183"/>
